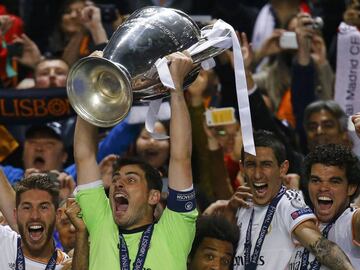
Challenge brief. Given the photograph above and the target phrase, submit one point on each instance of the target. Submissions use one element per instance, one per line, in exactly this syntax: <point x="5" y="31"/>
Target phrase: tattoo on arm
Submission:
<point x="329" y="254"/>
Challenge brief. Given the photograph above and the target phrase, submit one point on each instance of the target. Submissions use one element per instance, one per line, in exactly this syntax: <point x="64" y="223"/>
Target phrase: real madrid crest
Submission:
<point x="298" y="202"/>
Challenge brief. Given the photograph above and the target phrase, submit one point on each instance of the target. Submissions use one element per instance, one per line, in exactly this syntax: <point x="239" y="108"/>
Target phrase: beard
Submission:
<point x="36" y="250"/>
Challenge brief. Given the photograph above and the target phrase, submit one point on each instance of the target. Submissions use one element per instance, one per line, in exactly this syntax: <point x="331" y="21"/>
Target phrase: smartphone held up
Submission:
<point x="220" y="116"/>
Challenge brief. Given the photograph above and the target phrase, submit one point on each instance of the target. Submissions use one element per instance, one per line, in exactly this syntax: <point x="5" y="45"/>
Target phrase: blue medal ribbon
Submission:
<point x="142" y="252"/>
<point x="251" y="263"/>
<point x="20" y="259"/>
<point x="315" y="265"/>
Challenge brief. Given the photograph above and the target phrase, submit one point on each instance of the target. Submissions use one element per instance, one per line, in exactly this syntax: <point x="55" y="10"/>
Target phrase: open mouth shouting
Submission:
<point x="36" y="232"/>
<point x="260" y="188"/>
<point x="39" y="162"/>
<point x="121" y="203"/>
<point x="325" y="207"/>
<point x="324" y="202"/>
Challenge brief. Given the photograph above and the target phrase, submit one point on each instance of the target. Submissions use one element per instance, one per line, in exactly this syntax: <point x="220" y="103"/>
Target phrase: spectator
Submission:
<point x="209" y="171"/>
<point x="350" y="16"/>
<point x="43" y="151"/>
<point x="214" y="244"/>
<point x="276" y="78"/>
<point x="310" y="67"/>
<point x="51" y="73"/>
<point x="155" y="152"/>
<point x="325" y="122"/>
<point x="44" y="148"/>
<point x="274" y="15"/>
<point x="332" y="174"/>
<point x="145" y="147"/>
<point x="109" y="145"/>
<point x="48" y="72"/>
<point x="66" y="231"/>
<point x="28" y="56"/>
<point x="10" y="27"/>
<point x="71" y="40"/>
<point x="220" y="161"/>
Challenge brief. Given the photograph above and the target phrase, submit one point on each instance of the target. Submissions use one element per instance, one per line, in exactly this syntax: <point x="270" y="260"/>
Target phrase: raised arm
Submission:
<point x="218" y="172"/>
<point x="7" y="200"/>
<point x="85" y="149"/>
<point x="91" y="19"/>
<point x="303" y="82"/>
<point x="180" y="175"/>
<point x="80" y="259"/>
<point x="325" y="251"/>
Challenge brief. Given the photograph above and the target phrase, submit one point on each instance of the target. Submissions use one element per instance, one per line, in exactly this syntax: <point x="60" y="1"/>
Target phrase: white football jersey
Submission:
<point x="8" y="247"/>
<point x="278" y="244"/>
<point x="340" y="233"/>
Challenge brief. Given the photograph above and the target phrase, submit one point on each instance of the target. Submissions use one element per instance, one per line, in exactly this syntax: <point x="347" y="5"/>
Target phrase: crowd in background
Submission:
<point x="291" y="91"/>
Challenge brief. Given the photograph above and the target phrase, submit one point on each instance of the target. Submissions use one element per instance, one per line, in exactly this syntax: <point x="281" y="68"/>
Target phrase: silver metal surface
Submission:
<point x="102" y="90"/>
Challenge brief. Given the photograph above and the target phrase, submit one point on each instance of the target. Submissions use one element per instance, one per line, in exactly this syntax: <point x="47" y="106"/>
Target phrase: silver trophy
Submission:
<point x="102" y="90"/>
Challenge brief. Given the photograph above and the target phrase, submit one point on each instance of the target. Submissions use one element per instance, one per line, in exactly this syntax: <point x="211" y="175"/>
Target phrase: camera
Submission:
<point x="53" y="176"/>
<point x="288" y="40"/>
<point x="220" y="116"/>
<point x="317" y="24"/>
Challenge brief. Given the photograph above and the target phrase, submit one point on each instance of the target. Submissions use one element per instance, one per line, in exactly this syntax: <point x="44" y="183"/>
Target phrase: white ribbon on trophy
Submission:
<point x="215" y="38"/>
<point x="347" y="85"/>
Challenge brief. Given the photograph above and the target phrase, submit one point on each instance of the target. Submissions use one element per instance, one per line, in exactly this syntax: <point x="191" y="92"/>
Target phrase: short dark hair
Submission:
<point x="335" y="155"/>
<point x="41" y="182"/>
<point x="328" y="105"/>
<point x="264" y="138"/>
<point x="217" y="227"/>
<point x="50" y="58"/>
<point x="152" y="175"/>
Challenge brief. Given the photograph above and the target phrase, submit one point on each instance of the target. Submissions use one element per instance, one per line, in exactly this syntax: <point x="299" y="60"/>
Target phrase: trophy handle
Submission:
<point x="99" y="90"/>
<point x="199" y="54"/>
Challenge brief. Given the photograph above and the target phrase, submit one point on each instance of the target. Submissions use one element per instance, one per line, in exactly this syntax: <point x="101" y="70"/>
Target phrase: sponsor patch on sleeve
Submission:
<point x="301" y="212"/>
<point x="179" y="201"/>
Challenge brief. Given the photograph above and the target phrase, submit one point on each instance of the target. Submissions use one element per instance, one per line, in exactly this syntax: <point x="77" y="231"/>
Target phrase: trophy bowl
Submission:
<point x="102" y="89"/>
